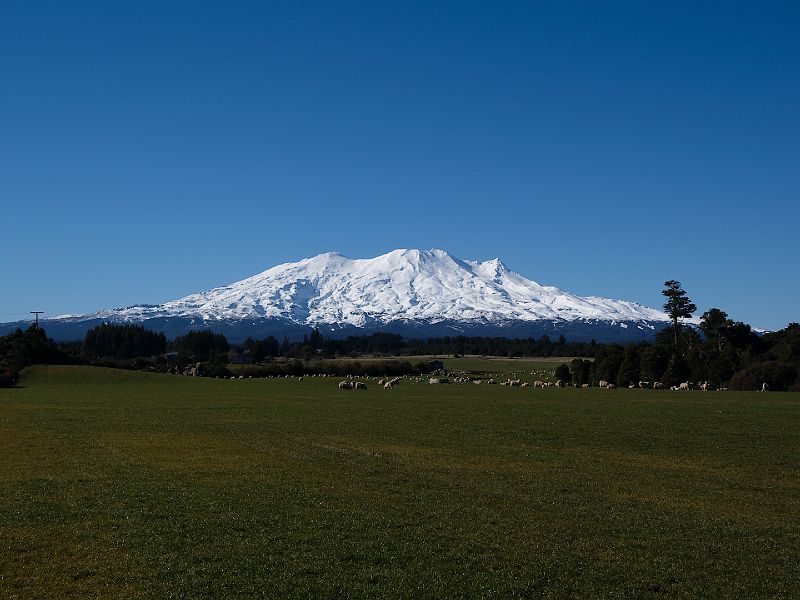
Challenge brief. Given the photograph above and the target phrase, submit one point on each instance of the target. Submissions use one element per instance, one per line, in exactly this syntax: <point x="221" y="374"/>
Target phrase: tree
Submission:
<point x="123" y="341"/>
<point x="581" y="371"/>
<point x="678" y="305"/>
<point x="201" y="344"/>
<point x="628" y="372"/>
<point x="677" y="370"/>
<point x="563" y="373"/>
<point x="713" y="324"/>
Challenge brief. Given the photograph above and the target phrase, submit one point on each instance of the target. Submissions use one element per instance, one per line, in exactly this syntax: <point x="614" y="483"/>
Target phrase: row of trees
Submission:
<point x="390" y="344"/>
<point x="727" y="354"/>
<point x="123" y="341"/>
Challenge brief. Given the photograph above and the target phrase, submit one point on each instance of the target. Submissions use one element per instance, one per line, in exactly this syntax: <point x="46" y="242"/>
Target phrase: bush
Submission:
<point x="563" y="373"/>
<point x="7" y="378"/>
<point x="778" y="375"/>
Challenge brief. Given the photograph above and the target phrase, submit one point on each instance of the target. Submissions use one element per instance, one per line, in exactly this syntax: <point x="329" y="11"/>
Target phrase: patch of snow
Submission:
<point x="405" y="284"/>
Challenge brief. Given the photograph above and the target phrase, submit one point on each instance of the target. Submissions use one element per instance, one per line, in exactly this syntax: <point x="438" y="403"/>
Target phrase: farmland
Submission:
<point x="126" y="484"/>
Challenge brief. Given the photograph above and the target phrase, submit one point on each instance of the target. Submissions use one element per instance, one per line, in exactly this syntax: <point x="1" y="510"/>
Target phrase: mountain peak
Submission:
<point x="404" y="285"/>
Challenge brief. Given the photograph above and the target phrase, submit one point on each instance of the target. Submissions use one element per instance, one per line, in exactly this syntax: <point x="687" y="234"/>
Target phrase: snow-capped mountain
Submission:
<point x="408" y="291"/>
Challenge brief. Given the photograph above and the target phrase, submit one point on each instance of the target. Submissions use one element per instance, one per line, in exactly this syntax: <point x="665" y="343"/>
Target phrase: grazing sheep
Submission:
<point x="704" y="386"/>
<point x="434" y="381"/>
<point x="345" y="385"/>
<point x="388" y="385"/>
<point x="584" y="385"/>
<point x="603" y="383"/>
<point x="359" y="385"/>
<point x="610" y="386"/>
<point x="644" y="384"/>
<point x="526" y="384"/>
<point x="765" y="387"/>
<point x="684" y="386"/>
<point x="538" y="384"/>
<point x="657" y="385"/>
<point x="559" y="384"/>
<point x="514" y="382"/>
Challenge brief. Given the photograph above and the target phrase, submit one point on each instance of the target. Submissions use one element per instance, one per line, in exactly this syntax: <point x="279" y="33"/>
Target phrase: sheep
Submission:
<point x="585" y="385"/>
<point x="345" y="385"/>
<point x="538" y="384"/>
<point x="359" y="385"/>
<point x="657" y="385"/>
<point x="765" y="387"/>
<point x="684" y="386"/>
<point x="526" y="384"/>
<point x="433" y="381"/>
<point x="514" y="382"/>
<point x="491" y="382"/>
<point x="559" y="384"/>
<point x="610" y="386"/>
<point x="704" y="386"/>
<point x="603" y="383"/>
<point x="644" y="384"/>
<point x="388" y="385"/>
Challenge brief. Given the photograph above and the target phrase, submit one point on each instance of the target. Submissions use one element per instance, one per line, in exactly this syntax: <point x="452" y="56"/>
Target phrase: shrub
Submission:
<point x="778" y="375"/>
<point x="7" y="378"/>
<point x="563" y="373"/>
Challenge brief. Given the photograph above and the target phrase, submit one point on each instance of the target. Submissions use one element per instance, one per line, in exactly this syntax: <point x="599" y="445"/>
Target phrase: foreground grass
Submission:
<point x="121" y="484"/>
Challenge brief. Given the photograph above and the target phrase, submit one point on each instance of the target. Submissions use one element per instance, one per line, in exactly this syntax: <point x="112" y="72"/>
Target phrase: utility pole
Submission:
<point x="36" y="314"/>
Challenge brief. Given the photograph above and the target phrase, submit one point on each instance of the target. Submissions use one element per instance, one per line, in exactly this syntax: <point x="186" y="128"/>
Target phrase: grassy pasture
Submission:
<point x="121" y="484"/>
<point x="527" y="369"/>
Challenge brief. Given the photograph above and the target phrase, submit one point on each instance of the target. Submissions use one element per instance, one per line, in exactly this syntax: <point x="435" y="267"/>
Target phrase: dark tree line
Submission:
<point x="202" y="345"/>
<point x="395" y="345"/>
<point x="123" y="341"/>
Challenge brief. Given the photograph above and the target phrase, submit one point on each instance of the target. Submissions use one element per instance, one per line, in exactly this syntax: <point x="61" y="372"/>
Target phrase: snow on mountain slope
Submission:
<point x="403" y="285"/>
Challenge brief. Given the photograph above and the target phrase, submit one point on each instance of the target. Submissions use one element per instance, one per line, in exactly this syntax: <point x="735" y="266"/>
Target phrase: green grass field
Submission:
<point x="121" y="484"/>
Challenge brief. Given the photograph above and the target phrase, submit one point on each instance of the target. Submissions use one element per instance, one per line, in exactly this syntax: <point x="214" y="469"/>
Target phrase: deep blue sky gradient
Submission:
<point x="149" y="150"/>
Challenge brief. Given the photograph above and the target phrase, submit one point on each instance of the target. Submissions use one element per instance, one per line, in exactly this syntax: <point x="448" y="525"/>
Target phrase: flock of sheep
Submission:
<point x="387" y="384"/>
<point x="657" y="385"/>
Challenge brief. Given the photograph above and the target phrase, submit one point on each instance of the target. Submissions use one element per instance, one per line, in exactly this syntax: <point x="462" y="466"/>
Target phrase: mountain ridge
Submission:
<point x="406" y="289"/>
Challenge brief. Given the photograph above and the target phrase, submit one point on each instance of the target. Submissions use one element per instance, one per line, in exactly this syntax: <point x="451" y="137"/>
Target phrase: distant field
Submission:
<point x="523" y="367"/>
<point x="120" y="484"/>
<point x="526" y="368"/>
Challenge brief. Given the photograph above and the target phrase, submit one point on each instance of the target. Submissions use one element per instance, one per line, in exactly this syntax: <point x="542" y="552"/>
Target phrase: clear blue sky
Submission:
<point x="153" y="149"/>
